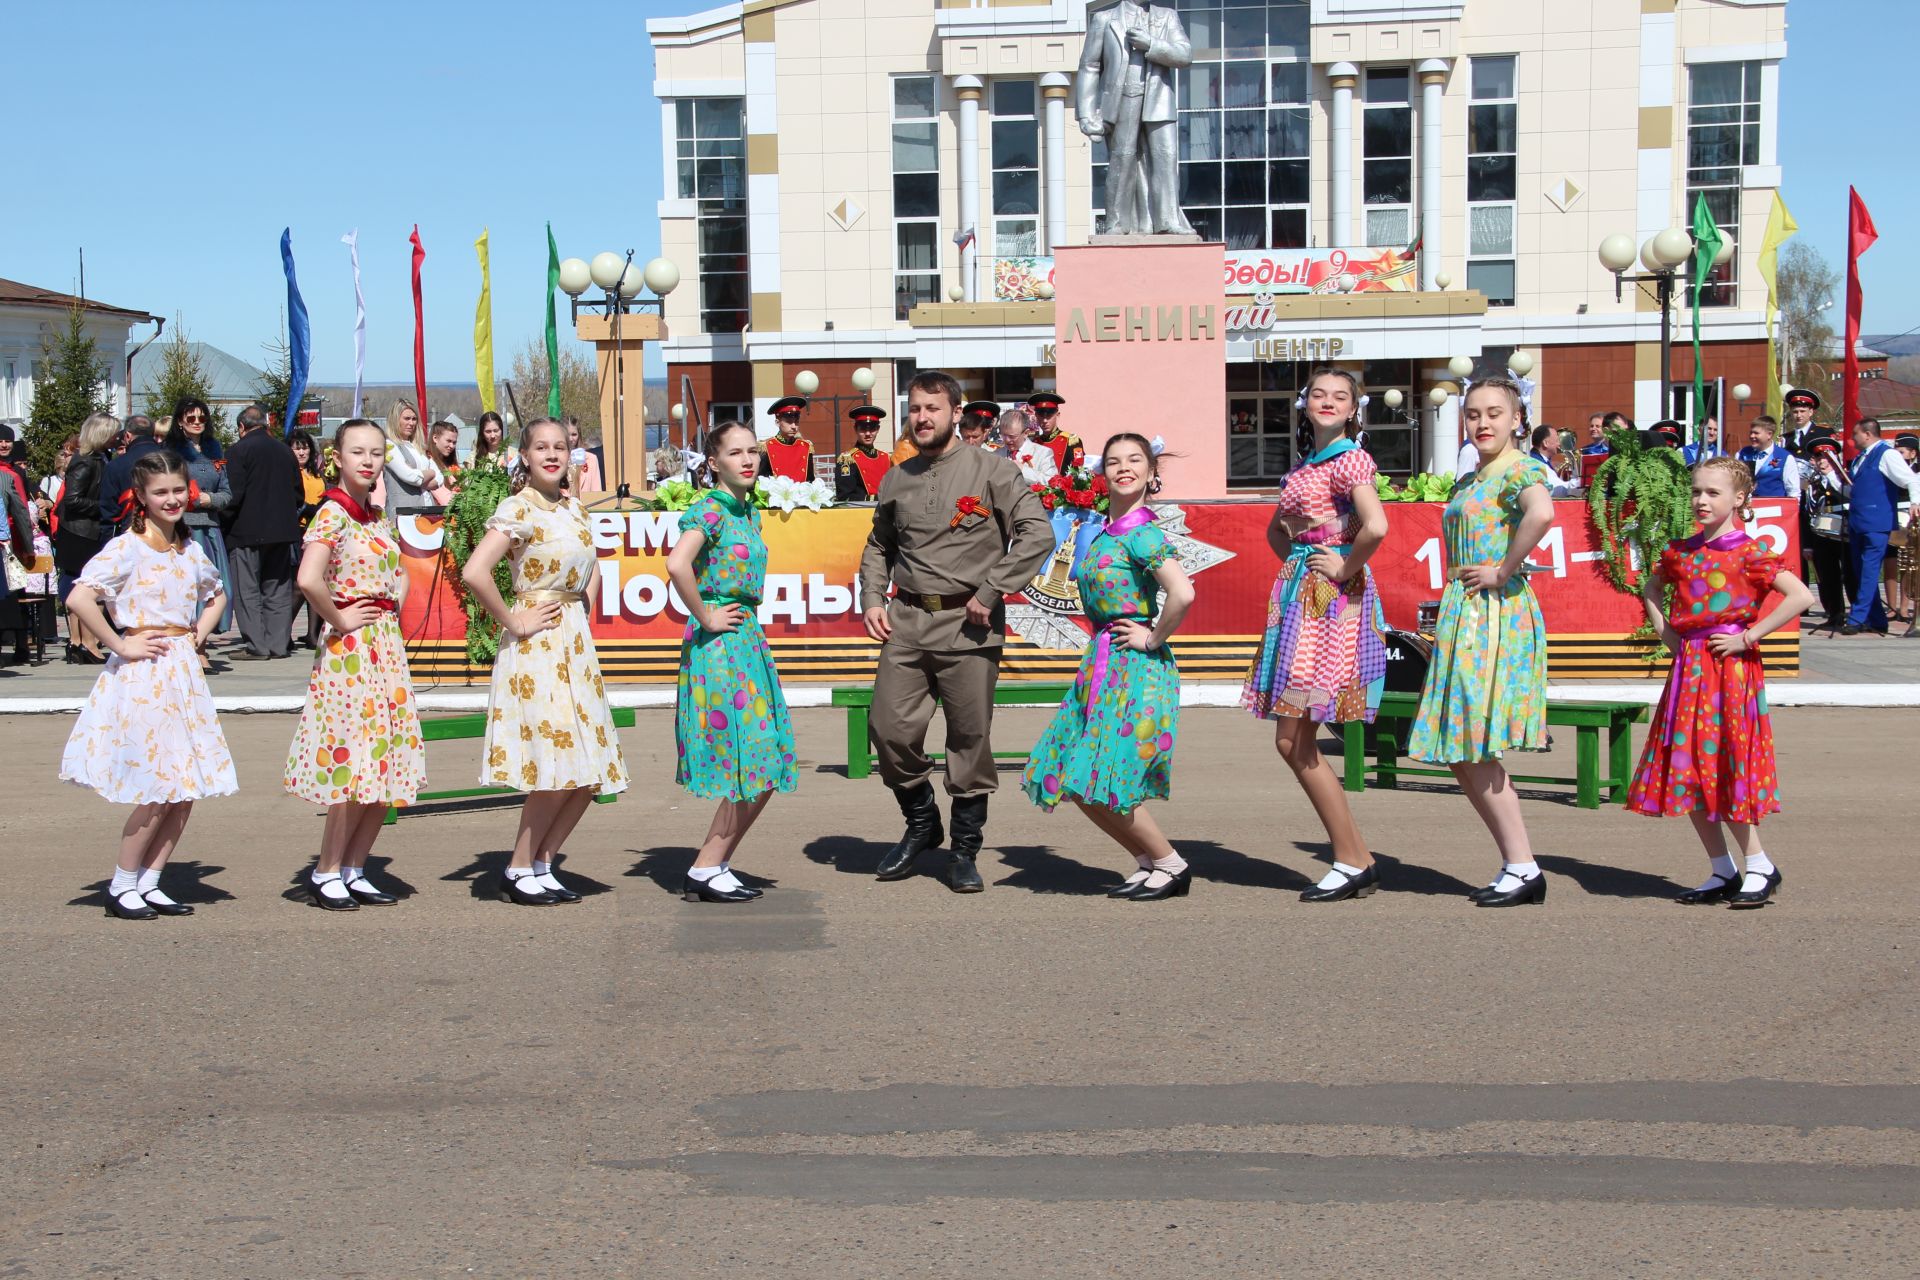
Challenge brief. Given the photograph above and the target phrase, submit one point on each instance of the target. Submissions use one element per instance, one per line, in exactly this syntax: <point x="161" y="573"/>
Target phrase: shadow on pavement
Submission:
<point x="1215" y="862"/>
<point x="1609" y="882"/>
<point x="1038" y="869"/>
<point x="379" y="870"/>
<point x="182" y="881"/>
<point x="851" y="855"/>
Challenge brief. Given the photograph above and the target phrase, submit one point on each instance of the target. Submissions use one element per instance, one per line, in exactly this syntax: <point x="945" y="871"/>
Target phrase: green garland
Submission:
<point x="1641" y="500"/>
<point x="481" y="489"/>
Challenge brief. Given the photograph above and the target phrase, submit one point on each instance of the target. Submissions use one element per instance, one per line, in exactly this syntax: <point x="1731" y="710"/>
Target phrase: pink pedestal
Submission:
<point x="1141" y="345"/>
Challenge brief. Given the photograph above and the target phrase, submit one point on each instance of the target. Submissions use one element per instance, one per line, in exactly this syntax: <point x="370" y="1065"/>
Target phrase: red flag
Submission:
<point x="1860" y="238"/>
<point x="419" y="334"/>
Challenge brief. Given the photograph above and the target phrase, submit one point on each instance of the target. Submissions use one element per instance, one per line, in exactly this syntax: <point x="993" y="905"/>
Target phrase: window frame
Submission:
<point x="1035" y="222"/>
<point x="1725" y="184"/>
<point x="912" y="286"/>
<point x="693" y="148"/>
<point x="1510" y="260"/>
<point x="1369" y="108"/>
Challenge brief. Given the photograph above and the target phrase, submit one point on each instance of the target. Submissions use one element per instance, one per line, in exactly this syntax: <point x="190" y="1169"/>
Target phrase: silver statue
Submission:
<point x="1124" y="93"/>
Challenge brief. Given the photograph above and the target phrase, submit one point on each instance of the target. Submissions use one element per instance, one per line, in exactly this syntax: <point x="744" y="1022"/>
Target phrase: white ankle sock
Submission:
<point x="1514" y="874"/>
<point x="705" y="873"/>
<point x="1141" y="874"/>
<point x="1340" y="874"/>
<point x="330" y="885"/>
<point x="1164" y="870"/>
<point x="547" y="879"/>
<point x="727" y="881"/>
<point x="123" y="882"/>
<point x="515" y="873"/>
<point x="1724" y="872"/>
<point x="349" y="875"/>
<point x="148" y="887"/>
<point x="1759" y="867"/>
<point x="542" y="868"/>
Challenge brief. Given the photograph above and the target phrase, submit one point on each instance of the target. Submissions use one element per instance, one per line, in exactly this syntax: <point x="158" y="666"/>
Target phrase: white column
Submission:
<point x="1054" y="87"/>
<point x="1443" y="434"/>
<point x="1342" y="76"/>
<point x="969" y="88"/>
<point x="1433" y="83"/>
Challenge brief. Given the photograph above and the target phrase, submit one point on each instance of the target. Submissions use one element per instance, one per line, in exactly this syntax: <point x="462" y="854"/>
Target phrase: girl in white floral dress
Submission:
<point x="358" y="748"/>
<point x="148" y="736"/>
<point x="549" y="730"/>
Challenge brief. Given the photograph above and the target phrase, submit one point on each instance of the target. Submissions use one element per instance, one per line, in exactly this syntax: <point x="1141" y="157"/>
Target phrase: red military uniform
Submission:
<point x="794" y="461"/>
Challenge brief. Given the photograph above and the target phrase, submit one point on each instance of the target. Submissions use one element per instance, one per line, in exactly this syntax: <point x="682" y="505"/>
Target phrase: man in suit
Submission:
<point x="1881" y="477"/>
<point x="1124" y="92"/>
<point x="118" y="478"/>
<point x="263" y="525"/>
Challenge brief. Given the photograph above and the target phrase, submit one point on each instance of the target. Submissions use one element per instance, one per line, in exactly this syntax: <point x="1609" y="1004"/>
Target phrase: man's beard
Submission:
<point x="941" y="438"/>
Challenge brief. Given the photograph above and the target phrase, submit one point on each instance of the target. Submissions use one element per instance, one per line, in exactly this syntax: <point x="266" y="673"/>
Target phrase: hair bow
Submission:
<point x="1158" y="445"/>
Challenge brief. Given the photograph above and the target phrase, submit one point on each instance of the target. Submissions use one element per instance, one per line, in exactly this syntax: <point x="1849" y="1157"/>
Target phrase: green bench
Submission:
<point x="859" y="705"/>
<point x="1386" y="738"/>
<point x="474" y="725"/>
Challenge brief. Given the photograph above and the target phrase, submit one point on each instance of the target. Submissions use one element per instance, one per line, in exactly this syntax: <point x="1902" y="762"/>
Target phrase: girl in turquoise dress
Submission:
<point x="731" y="725"/>
<point x="1109" y="748"/>
<point x="1486" y="690"/>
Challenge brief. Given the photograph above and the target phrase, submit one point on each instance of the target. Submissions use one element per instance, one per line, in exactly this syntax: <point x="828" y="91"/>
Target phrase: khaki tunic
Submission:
<point x="917" y="543"/>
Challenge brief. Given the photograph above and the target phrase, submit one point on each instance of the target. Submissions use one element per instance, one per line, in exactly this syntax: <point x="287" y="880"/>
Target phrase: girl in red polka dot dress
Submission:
<point x="1709" y="754"/>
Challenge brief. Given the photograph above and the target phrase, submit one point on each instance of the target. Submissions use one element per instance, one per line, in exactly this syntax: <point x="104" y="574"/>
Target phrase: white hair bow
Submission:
<point x="1158" y="444"/>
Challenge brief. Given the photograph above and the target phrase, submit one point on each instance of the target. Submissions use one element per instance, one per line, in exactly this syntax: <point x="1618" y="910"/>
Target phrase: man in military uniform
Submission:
<point x="1801" y="404"/>
<point x="788" y="453"/>
<point x="1067" y="452"/>
<point x="857" y="472"/>
<point x="956" y="530"/>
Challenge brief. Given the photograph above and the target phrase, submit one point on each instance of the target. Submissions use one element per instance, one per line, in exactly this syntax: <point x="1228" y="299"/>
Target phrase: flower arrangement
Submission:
<point x="1076" y="489"/>
<point x="1425" y="487"/>
<point x="785" y="494"/>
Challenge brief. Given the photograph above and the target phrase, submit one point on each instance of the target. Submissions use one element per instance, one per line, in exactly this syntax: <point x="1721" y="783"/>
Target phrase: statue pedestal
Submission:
<point x="1140" y="344"/>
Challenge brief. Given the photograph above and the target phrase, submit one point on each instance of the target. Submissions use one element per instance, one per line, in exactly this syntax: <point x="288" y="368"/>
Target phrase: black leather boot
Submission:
<point x="923" y="832"/>
<point x="969" y="828"/>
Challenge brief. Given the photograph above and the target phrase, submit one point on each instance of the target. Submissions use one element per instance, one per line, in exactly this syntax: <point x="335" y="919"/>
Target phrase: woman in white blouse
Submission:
<point x="1034" y="459"/>
<point x="410" y="472"/>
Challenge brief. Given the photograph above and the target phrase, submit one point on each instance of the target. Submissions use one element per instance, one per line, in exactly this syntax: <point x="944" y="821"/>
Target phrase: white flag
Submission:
<point x="352" y="241"/>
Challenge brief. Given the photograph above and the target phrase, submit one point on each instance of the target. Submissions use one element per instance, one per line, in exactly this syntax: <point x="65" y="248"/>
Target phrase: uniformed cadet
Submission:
<point x="1067" y="451"/>
<point x="956" y="530"/>
<point x="1801" y="404"/>
<point x="857" y="472"/>
<point x="788" y="453"/>
<point x="979" y="416"/>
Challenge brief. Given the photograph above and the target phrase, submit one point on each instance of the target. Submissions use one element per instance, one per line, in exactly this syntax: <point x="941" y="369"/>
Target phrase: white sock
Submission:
<point x="1515" y="874"/>
<point x="1759" y="867"/>
<point x="704" y="874"/>
<point x="727" y="882"/>
<point x="1141" y="874"/>
<point x="148" y="887"/>
<point x="123" y="882"/>
<point x="1165" y="869"/>
<point x="543" y="872"/>
<point x="1340" y="874"/>
<point x="542" y="868"/>
<point x="515" y="873"/>
<point x="1724" y="872"/>
<point x="330" y="885"/>
<point x="353" y="875"/>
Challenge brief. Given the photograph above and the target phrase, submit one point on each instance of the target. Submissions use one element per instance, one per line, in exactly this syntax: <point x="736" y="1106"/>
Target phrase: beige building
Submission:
<point x="1395" y="184"/>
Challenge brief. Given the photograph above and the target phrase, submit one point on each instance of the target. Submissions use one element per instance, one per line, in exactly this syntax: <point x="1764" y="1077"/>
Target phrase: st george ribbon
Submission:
<point x="299" y="338"/>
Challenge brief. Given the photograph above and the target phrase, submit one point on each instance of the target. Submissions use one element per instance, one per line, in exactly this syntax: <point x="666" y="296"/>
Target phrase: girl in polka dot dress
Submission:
<point x="358" y="747"/>
<point x="1109" y="748"/>
<point x="735" y="740"/>
<point x="1709" y="754"/>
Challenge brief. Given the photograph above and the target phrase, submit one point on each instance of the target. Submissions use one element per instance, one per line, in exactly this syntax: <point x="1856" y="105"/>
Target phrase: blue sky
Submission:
<point x="154" y="138"/>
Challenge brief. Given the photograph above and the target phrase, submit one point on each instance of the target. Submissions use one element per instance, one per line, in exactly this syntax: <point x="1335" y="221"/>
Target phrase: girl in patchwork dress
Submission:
<point x="1486" y="690"/>
<point x="147" y="736"/>
<point x="1109" y="748"/>
<point x="1709" y="754"/>
<point x="730" y="724"/>
<point x="549" y="730"/>
<point x="358" y="747"/>
<point x="1322" y="660"/>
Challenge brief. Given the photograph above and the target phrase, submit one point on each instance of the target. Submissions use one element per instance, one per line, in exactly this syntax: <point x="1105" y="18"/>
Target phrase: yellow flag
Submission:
<point x="1780" y="225"/>
<point x="483" y="329"/>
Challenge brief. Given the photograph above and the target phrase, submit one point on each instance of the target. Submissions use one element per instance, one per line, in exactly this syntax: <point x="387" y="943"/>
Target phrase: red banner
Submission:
<point x="811" y="610"/>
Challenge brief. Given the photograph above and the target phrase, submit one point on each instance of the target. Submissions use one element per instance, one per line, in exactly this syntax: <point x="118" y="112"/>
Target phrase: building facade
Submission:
<point x="32" y="319"/>
<point x="880" y="184"/>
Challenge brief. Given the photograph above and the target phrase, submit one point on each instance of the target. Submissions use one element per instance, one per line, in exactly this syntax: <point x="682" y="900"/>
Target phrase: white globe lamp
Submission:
<point x="1043" y="291"/>
<point x="678" y="412"/>
<point x="1724" y="253"/>
<point x="1520" y="364"/>
<point x="1741" y="391"/>
<point x="1443" y="281"/>
<point x="1393" y="397"/>
<point x="1616" y="252"/>
<point x="1438" y="396"/>
<point x="606" y="268"/>
<point x="1673" y="246"/>
<point x="631" y="282"/>
<point x="806" y="382"/>
<point x="661" y="276"/>
<point x="574" y="277"/>
<point x="1461" y="366"/>
<point x="955" y="293"/>
<point x="862" y="379"/>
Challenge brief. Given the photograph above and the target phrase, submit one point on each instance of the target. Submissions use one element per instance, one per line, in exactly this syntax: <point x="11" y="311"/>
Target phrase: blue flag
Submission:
<point x="299" y="338"/>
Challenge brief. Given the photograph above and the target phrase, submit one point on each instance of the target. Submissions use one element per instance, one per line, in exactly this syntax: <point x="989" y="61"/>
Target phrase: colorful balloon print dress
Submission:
<point x="148" y="734"/>
<point x="359" y="735"/>
<point x="1711" y="745"/>
<point x="730" y="720"/>
<point x="1486" y="690"/>
<point x="548" y="724"/>
<point x="1111" y="742"/>
<point x="1322" y="657"/>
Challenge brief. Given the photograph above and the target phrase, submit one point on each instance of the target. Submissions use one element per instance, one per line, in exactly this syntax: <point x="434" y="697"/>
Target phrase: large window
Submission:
<point x="1723" y="136"/>
<point x="1387" y="144"/>
<point x="710" y="156"/>
<point x="916" y="194"/>
<point x="1016" y="170"/>
<point x="1243" y="123"/>
<point x="1492" y="142"/>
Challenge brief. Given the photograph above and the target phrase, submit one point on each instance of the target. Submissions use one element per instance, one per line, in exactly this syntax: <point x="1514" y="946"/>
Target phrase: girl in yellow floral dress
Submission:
<point x="148" y="736"/>
<point x="549" y="730"/>
<point x="358" y="747"/>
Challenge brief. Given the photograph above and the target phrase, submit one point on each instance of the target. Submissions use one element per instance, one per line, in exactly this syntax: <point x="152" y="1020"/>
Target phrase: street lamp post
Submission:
<point x="1662" y="256"/>
<point x="620" y="283"/>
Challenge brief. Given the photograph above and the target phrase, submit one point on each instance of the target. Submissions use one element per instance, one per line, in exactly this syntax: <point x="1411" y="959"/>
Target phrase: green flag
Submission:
<point x="1706" y="247"/>
<point x="553" y="331"/>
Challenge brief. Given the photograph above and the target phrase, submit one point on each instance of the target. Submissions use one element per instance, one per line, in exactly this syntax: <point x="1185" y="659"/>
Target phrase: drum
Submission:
<point x="1408" y="656"/>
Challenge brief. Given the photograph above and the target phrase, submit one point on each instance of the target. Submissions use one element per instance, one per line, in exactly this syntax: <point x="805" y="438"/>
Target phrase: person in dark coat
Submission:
<point x="79" y="530"/>
<point x="263" y="523"/>
<point x="118" y="480"/>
